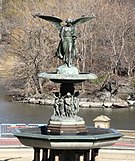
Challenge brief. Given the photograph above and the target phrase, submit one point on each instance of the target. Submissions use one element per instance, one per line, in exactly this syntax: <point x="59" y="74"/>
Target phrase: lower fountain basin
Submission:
<point x="94" y="138"/>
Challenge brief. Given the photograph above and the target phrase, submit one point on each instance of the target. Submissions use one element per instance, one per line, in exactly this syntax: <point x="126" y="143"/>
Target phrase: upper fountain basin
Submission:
<point x="67" y="78"/>
<point x="65" y="74"/>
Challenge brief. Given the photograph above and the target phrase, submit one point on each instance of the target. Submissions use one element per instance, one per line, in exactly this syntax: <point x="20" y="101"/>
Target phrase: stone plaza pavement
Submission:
<point x="16" y="154"/>
<point x="12" y="150"/>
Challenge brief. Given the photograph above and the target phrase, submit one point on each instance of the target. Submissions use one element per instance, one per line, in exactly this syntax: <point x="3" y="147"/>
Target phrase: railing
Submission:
<point x="6" y="130"/>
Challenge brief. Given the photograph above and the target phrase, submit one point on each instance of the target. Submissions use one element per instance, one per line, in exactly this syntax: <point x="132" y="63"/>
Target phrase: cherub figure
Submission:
<point x="76" y="103"/>
<point x="56" y="104"/>
<point x="68" y="104"/>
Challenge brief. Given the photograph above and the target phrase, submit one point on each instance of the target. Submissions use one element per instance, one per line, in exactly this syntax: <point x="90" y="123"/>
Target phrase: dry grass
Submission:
<point x="7" y="64"/>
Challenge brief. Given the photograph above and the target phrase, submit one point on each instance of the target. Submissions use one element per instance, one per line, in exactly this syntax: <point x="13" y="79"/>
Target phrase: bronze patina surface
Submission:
<point x="67" y="46"/>
<point x="66" y="137"/>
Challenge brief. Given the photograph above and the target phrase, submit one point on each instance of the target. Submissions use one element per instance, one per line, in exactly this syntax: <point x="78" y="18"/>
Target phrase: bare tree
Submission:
<point x="103" y="44"/>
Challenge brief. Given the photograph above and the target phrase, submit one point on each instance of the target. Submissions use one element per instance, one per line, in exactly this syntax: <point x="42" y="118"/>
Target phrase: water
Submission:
<point x="120" y="118"/>
<point x="39" y="114"/>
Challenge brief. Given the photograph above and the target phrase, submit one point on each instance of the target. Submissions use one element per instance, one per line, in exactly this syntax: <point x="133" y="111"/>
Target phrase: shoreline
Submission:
<point x="84" y="103"/>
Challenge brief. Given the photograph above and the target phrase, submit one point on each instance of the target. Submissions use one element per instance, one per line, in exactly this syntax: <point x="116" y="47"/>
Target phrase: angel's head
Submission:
<point x="69" y="22"/>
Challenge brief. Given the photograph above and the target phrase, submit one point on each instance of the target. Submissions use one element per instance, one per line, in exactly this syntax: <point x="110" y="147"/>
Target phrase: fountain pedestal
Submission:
<point x="70" y="155"/>
<point x="77" y="146"/>
<point x="57" y="127"/>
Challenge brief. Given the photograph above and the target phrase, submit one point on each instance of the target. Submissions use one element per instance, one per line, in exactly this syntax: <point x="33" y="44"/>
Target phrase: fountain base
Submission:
<point x="71" y="147"/>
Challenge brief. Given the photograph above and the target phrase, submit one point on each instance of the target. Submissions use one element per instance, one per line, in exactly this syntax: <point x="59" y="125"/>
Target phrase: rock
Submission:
<point x="84" y="104"/>
<point x="125" y="91"/>
<point x="42" y="102"/>
<point x="107" y="104"/>
<point x="96" y="104"/>
<point x="33" y="100"/>
<point x="120" y="104"/>
<point x="90" y="104"/>
<point x="49" y="101"/>
<point x="131" y="102"/>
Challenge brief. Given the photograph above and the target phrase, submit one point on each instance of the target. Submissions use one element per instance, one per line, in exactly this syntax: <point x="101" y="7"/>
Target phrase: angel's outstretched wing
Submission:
<point x="82" y="20"/>
<point x="54" y="20"/>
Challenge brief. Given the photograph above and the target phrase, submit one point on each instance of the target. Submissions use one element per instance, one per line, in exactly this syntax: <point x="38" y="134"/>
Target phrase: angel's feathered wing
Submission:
<point x="54" y="20"/>
<point x="82" y="20"/>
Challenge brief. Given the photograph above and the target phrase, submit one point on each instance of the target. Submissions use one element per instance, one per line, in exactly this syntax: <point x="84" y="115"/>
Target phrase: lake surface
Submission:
<point x="14" y="113"/>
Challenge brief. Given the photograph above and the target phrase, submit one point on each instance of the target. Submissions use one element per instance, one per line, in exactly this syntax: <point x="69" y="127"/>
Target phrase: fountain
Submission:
<point x="66" y="136"/>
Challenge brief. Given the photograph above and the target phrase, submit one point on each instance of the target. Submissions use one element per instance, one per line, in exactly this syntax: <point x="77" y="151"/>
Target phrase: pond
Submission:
<point x="13" y="113"/>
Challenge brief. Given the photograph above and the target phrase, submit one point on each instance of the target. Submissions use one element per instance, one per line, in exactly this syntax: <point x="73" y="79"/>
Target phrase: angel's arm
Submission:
<point x="54" y="20"/>
<point x="61" y="33"/>
<point x="74" y="33"/>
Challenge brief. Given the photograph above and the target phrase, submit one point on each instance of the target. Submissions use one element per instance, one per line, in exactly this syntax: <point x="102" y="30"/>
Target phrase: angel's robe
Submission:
<point x="67" y="47"/>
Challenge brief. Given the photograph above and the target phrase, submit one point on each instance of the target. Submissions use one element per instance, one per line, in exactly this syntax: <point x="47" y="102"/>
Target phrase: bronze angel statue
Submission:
<point x="67" y="47"/>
